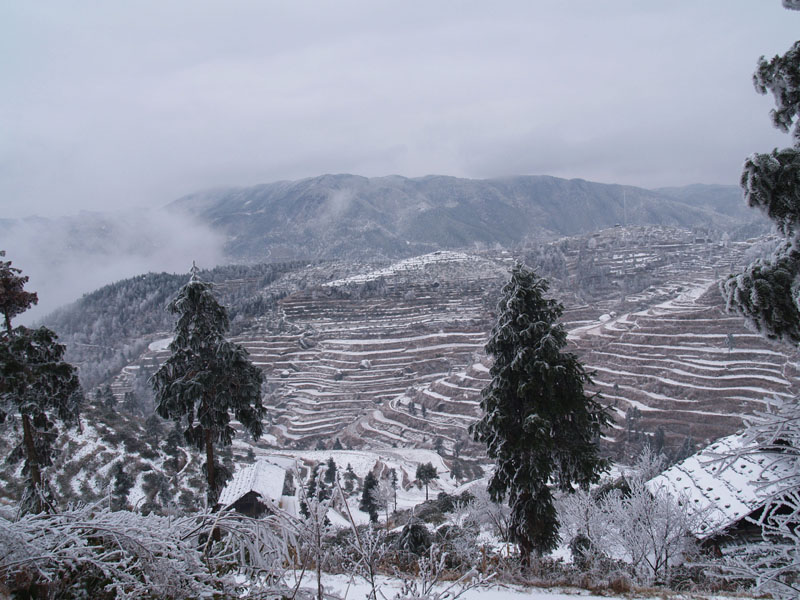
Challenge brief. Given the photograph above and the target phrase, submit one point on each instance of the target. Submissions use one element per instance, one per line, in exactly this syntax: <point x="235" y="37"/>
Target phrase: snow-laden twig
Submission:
<point x="772" y="437"/>
<point x="431" y="570"/>
<point x="126" y="555"/>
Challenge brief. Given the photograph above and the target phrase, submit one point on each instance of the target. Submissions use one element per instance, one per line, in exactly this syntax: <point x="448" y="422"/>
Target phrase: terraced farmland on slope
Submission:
<point x="394" y="357"/>
<point x="341" y="373"/>
<point x="684" y="365"/>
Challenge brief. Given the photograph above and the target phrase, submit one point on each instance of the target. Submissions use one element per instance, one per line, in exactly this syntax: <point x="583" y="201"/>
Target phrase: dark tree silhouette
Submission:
<point x="538" y="424"/>
<point x="207" y="380"/>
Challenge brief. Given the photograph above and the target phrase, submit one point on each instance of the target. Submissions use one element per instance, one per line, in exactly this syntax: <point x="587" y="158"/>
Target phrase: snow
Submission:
<point x="261" y="477"/>
<point x="409" y="264"/>
<point x="719" y="488"/>
<point x="161" y="344"/>
<point x="351" y="587"/>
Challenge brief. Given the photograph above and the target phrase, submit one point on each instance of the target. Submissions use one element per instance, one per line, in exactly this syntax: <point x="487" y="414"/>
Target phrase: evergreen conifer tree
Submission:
<point x="393" y="482"/>
<point x="538" y="424"/>
<point x="330" y="472"/>
<point x="108" y="398"/>
<point x="425" y="474"/>
<point x="768" y="291"/>
<point x="349" y="478"/>
<point x="207" y="379"/>
<point x="37" y="384"/>
<point x="767" y="294"/>
<point x="122" y="487"/>
<point x="368" y="504"/>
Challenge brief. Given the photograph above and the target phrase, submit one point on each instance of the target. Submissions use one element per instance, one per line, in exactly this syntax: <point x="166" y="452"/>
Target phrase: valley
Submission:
<point x="393" y="356"/>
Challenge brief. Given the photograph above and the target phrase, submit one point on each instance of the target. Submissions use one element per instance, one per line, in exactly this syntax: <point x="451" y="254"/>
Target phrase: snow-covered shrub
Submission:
<point x="773" y="563"/>
<point x="646" y="528"/>
<point x="93" y="552"/>
<point x="460" y="544"/>
<point x="415" y="537"/>
<point x="650" y="530"/>
<point x="484" y="512"/>
<point x="431" y="572"/>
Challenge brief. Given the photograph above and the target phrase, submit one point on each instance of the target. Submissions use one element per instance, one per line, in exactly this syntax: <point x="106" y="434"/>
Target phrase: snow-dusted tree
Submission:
<point x="36" y="383"/>
<point x="393" y="482"/>
<point x="643" y="525"/>
<point x="367" y="503"/>
<point x="122" y="487"/>
<point x="767" y="293"/>
<point x="369" y="546"/>
<point x="382" y="496"/>
<point x="14" y="300"/>
<point x="482" y="510"/>
<point x="314" y="528"/>
<point x="653" y="531"/>
<point x="91" y="552"/>
<point x="538" y="424"/>
<point x="330" y="472"/>
<point x="350" y="479"/>
<point x="425" y="474"/>
<point x="207" y="379"/>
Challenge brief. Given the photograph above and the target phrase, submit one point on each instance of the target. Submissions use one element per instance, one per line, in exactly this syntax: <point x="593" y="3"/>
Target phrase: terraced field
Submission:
<point x="394" y="357"/>
<point x="685" y="365"/>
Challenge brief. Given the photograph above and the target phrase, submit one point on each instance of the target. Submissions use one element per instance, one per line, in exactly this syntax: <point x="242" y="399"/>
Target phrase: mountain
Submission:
<point x="391" y="353"/>
<point x="347" y="216"/>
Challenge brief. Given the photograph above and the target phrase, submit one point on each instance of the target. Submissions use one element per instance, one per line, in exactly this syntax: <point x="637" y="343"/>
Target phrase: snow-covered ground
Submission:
<point x="409" y="264"/>
<point x="355" y="588"/>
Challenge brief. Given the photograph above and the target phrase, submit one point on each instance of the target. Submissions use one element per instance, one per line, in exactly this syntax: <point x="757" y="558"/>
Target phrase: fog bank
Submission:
<point x="71" y="256"/>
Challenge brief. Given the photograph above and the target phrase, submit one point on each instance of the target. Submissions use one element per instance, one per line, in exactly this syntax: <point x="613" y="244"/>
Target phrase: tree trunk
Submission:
<point x="211" y="476"/>
<point x="211" y="473"/>
<point x="30" y="451"/>
<point x="32" y="460"/>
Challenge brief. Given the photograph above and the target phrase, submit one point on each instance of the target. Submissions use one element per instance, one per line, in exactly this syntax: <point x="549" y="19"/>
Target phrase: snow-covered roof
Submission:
<point x="723" y="490"/>
<point x="261" y="477"/>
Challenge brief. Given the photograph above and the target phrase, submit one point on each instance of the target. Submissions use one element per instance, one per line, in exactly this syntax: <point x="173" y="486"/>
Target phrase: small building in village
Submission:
<point x="257" y="489"/>
<point x="724" y="485"/>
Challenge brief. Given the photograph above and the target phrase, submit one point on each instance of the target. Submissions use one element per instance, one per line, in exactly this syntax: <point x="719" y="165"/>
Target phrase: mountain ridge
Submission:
<point x="350" y="216"/>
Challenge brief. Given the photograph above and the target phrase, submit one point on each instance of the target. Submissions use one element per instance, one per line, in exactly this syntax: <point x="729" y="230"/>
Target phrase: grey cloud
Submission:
<point x="136" y="104"/>
<point x="67" y="257"/>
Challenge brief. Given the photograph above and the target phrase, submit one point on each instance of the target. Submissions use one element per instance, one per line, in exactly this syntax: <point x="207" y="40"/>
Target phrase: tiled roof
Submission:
<point x="720" y="485"/>
<point x="261" y="477"/>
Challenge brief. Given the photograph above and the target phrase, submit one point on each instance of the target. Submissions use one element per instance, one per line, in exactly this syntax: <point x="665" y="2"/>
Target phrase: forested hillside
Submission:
<point x="108" y="328"/>
<point x="346" y="216"/>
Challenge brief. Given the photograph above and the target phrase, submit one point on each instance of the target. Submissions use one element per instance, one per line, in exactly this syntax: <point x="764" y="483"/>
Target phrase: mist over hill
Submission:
<point x="347" y="216"/>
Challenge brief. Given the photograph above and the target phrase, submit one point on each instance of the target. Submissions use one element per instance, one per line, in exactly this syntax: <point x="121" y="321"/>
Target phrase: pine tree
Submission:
<point x="108" y="398"/>
<point x="767" y="294"/>
<point x="330" y="472"/>
<point x="207" y="380"/>
<point x="538" y="424"/>
<point x="425" y="474"/>
<point x="122" y="487"/>
<point x="393" y="482"/>
<point x="349" y="478"/>
<point x="368" y="504"/>
<point x="14" y="300"/>
<point x="37" y="384"/>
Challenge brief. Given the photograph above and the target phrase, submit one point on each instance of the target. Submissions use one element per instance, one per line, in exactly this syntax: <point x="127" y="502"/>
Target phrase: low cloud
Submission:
<point x="71" y="256"/>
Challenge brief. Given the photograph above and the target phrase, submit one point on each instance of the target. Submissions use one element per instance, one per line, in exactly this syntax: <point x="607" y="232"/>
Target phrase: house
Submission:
<point x="255" y="490"/>
<point x="724" y="485"/>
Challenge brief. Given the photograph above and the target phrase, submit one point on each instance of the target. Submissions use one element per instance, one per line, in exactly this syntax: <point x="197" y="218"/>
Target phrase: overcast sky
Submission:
<point x="119" y="104"/>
